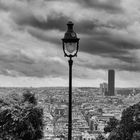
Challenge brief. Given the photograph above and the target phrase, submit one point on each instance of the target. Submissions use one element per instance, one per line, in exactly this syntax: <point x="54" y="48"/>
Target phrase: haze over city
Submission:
<point x="31" y="48"/>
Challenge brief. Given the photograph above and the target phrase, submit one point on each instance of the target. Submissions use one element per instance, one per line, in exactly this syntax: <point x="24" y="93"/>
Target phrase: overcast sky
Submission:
<point x="31" y="50"/>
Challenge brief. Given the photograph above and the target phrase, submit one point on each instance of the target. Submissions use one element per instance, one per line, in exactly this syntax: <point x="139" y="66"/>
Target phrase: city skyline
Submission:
<point x="31" y="49"/>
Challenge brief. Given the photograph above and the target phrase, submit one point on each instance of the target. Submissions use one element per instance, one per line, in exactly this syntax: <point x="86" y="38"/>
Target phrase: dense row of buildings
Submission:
<point x="90" y="113"/>
<point x="82" y="128"/>
<point x="90" y="110"/>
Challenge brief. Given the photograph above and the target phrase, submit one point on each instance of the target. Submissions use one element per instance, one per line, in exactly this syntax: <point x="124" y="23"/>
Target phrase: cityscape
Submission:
<point x="69" y="70"/>
<point x="92" y="107"/>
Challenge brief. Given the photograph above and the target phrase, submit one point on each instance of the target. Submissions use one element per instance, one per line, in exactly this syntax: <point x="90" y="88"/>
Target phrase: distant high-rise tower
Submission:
<point x="104" y="88"/>
<point x="111" y="82"/>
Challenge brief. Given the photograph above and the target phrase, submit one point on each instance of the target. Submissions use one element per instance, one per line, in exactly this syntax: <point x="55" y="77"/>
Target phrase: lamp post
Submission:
<point x="70" y="47"/>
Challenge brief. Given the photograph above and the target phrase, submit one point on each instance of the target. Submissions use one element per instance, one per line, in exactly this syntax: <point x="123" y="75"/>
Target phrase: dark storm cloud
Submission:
<point x="58" y="23"/>
<point x="101" y="42"/>
<point x="13" y="65"/>
<point x="123" y="63"/>
<point x="125" y="67"/>
<point x="108" y="5"/>
<point x="120" y="67"/>
<point x="98" y="38"/>
<point x="57" y="20"/>
<point x="109" y="46"/>
<point x="50" y="23"/>
<point x="119" y="24"/>
<point x="42" y="36"/>
<point x="3" y="7"/>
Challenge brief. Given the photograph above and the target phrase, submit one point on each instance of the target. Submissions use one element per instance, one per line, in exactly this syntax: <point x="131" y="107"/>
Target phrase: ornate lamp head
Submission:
<point x="70" y="41"/>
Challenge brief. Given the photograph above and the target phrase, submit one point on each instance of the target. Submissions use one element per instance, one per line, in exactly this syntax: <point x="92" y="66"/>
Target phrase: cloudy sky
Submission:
<point x="31" y="50"/>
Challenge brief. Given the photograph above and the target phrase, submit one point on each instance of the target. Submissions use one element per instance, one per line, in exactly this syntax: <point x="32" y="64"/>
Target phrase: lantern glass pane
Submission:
<point x="71" y="47"/>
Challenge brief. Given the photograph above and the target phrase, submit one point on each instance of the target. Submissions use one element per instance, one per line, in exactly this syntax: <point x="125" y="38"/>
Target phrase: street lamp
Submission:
<point x="70" y="48"/>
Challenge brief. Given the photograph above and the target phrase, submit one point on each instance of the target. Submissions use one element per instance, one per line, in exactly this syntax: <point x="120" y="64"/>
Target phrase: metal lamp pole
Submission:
<point x="70" y="100"/>
<point x="70" y="49"/>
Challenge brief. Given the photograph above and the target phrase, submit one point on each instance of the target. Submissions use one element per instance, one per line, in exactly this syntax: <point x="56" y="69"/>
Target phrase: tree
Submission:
<point x="111" y="125"/>
<point x="100" y="137"/>
<point x="21" y="121"/>
<point x="29" y="97"/>
<point x="136" y="135"/>
<point x="117" y="134"/>
<point x="100" y="110"/>
<point x="128" y="125"/>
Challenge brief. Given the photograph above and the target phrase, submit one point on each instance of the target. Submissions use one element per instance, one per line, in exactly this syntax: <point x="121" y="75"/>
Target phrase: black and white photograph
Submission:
<point x="69" y="70"/>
